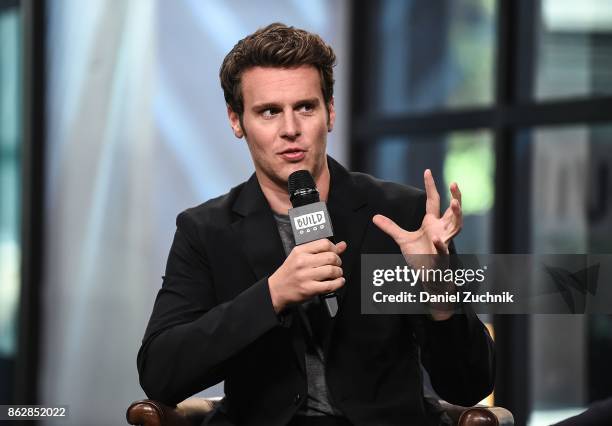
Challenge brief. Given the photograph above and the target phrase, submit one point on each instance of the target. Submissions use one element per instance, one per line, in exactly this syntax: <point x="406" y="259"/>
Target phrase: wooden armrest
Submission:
<point x="192" y="412"/>
<point x="477" y="415"/>
<point x="486" y="416"/>
<point x="153" y="413"/>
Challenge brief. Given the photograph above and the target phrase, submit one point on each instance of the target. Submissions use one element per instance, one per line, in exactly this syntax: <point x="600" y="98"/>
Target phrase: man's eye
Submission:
<point x="306" y="108"/>
<point x="269" y="112"/>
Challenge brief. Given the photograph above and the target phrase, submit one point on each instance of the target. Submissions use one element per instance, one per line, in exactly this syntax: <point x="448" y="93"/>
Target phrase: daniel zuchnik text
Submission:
<point x="458" y="277"/>
<point x="425" y="297"/>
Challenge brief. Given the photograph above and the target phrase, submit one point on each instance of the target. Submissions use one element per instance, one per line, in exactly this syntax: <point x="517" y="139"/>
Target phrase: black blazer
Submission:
<point x="213" y="318"/>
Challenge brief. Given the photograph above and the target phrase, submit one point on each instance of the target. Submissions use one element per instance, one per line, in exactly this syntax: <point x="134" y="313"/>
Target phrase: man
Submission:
<point x="238" y="301"/>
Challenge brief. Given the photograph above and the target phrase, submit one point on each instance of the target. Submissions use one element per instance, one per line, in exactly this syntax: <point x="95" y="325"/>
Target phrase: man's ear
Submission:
<point x="234" y="119"/>
<point x="331" y="115"/>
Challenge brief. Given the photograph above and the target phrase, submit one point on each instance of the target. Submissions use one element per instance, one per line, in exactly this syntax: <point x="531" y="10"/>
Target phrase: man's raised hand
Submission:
<point x="436" y="232"/>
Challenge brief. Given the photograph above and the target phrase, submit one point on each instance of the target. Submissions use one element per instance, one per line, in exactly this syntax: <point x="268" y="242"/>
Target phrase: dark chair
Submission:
<point x="192" y="412"/>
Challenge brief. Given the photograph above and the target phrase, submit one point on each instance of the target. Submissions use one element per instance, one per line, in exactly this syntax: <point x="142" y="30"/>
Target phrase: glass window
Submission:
<point x="463" y="157"/>
<point x="570" y="211"/>
<point x="571" y="188"/>
<point x="433" y="55"/>
<point x="574" y="45"/>
<point x="423" y="59"/>
<point x="10" y="170"/>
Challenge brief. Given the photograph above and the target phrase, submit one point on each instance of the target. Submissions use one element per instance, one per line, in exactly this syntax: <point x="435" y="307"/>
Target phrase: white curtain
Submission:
<point x="137" y="132"/>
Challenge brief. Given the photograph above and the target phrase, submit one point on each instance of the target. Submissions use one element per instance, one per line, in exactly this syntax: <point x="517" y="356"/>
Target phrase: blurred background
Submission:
<point x="112" y="120"/>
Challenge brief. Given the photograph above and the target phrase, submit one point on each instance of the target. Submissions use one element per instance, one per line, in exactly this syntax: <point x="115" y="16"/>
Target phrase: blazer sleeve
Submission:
<point x="191" y="339"/>
<point x="458" y="353"/>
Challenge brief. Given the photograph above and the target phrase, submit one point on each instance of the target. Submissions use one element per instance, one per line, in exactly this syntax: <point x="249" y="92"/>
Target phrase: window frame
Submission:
<point x="26" y="371"/>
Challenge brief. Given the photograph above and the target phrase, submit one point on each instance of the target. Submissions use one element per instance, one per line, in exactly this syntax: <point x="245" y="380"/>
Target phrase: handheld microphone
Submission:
<point x="310" y="220"/>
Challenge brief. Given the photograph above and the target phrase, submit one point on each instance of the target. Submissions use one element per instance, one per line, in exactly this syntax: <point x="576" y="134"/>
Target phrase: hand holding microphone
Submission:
<point x="310" y="269"/>
<point x="313" y="267"/>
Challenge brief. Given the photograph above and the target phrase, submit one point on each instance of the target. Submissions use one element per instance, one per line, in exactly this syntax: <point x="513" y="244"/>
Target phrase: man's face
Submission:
<point x="285" y="122"/>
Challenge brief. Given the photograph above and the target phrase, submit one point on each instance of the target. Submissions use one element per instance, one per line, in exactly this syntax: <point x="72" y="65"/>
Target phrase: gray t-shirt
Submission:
<point x="318" y="403"/>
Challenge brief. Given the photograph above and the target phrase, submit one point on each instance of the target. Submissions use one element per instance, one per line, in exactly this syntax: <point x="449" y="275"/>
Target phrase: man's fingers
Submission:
<point x="456" y="216"/>
<point x="326" y="272"/>
<point x="453" y="214"/>
<point x="441" y="248"/>
<point x="341" y="247"/>
<point x="318" y="246"/>
<point x="325" y="258"/>
<point x="456" y="192"/>
<point x="456" y="208"/>
<point x="324" y="287"/>
<point x="433" y="198"/>
<point x="389" y="227"/>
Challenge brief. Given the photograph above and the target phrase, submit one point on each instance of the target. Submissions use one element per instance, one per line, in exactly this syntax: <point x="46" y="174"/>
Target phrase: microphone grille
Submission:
<point x="302" y="188"/>
<point x="300" y="180"/>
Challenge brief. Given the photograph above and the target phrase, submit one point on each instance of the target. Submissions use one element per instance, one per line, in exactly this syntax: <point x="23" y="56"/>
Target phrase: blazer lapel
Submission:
<point x="350" y="218"/>
<point x="263" y="247"/>
<point x="257" y="231"/>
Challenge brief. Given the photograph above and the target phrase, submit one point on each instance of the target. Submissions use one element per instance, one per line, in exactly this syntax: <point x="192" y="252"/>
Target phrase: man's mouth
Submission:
<point x="293" y="154"/>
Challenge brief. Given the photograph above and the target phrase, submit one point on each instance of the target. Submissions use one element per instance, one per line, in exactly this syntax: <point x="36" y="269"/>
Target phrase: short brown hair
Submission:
<point x="276" y="45"/>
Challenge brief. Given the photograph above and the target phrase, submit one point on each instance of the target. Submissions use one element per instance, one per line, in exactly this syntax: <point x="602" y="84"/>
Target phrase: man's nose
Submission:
<point x="291" y="126"/>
